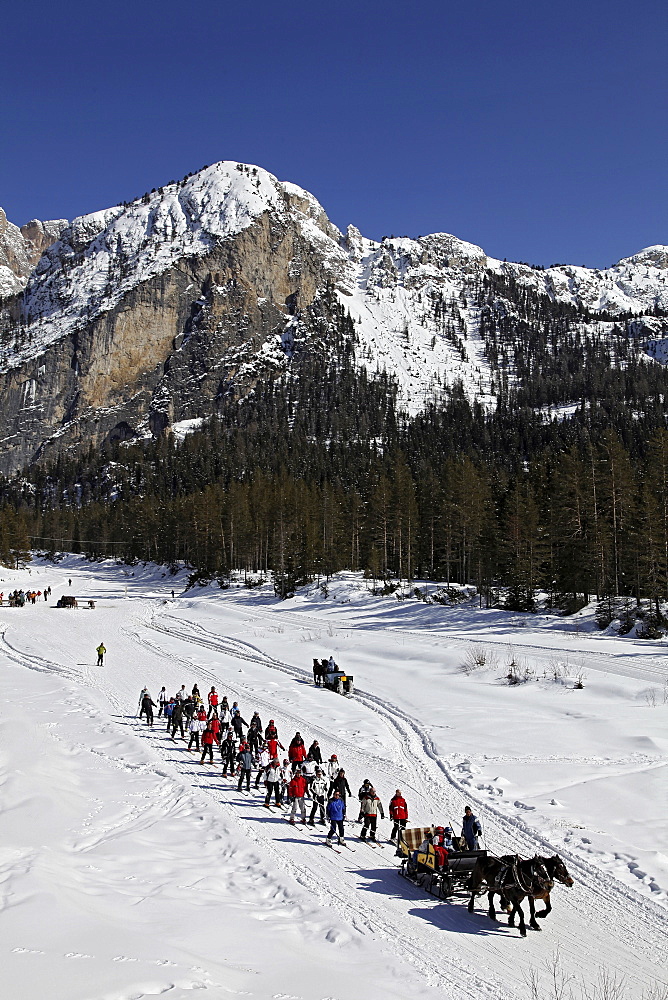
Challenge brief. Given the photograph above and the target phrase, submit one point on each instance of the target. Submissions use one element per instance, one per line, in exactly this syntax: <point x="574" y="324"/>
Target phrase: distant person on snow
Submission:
<point x="162" y="701"/>
<point x="340" y="785"/>
<point x="100" y="654"/>
<point x="471" y="829"/>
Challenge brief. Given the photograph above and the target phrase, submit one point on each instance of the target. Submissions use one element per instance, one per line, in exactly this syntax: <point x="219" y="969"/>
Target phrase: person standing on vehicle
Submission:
<point x="318" y="794"/>
<point x="296" y="792"/>
<point x="100" y="654"/>
<point x="336" y="813"/>
<point x="471" y="829"/>
<point x="162" y="701"/>
<point x="398" y="814"/>
<point x="371" y="806"/>
<point x="245" y="762"/>
<point x="340" y="785"/>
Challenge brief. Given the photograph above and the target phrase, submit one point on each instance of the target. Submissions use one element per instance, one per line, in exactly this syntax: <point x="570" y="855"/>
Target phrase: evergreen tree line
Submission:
<point x="318" y="471"/>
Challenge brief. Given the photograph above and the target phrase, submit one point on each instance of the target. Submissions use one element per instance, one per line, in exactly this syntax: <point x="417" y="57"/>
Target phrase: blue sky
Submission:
<point x="538" y="131"/>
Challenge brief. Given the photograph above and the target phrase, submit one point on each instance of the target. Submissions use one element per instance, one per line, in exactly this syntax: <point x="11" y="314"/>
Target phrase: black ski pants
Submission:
<point x="207" y="749"/>
<point x="272" y="786"/>
<point x="178" y="724"/>
<point x="247" y="775"/>
<point x="194" y="738"/>
<point x="318" y="801"/>
<point x="370" y="825"/>
<point x="336" y="824"/>
<point x="399" y="824"/>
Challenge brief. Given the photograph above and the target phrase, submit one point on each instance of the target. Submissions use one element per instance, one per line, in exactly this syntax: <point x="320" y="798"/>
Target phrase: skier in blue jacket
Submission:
<point x="471" y="829"/>
<point x="336" y="811"/>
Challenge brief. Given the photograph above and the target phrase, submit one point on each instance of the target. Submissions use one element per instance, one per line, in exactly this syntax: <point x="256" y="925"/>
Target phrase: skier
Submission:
<point x="333" y="767"/>
<point x="197" y="725"/>
<point x="177" y="719"/>
<point x="225" y="717"/>
<point x="142" y="695"/>
<point x="398" y="811"/>
<point x="471" y="829"/>
<point x="371" y="806"/>
<point x="213" y="702"/>
<point x="238" y="723"/>
<point x="264" y="759"/>
<point x="308" y="770"/>
<point x="273" y="746"/>
<point x="339" y="784"/>
<point x="297" y="752"/>
<point x="296" y="791"/>
<point x="272" y="780"/>
<point x="189" y="709"/>
<point x="100" y="654"/>
<point x="362" y="794"/>
<point x="318" y="792"/>
<point x="162" y="701"/>
<point x="285" y="775"/>
<point x="207" y="744"/>
<point x="228" y="752"/>
<point x="336" y="813"/>
<point x="169" y="710"/>
<point x="245" y="762"/>
<point x="314" y="752"/>
<point x="181" y="694"/>
<point x="147" y="706"/>
<point x="254" y="734"/>
<point x="271" y="732"/>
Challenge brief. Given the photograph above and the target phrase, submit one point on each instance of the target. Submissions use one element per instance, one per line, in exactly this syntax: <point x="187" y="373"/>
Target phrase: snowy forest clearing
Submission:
<point x="131" y="870"/>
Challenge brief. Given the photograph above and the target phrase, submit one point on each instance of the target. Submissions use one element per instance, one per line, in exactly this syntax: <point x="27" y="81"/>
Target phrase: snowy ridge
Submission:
<point x="390" y="287"/>
<point x="102" y="256"/>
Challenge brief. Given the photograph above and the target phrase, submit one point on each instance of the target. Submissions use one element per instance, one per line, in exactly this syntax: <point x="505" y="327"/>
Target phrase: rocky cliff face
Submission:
<point x="20" y="250"/>
<point x="147" y="314"/>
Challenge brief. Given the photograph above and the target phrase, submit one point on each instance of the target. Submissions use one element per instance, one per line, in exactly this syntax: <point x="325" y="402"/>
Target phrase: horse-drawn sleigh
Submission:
<point x="445" y="873"/>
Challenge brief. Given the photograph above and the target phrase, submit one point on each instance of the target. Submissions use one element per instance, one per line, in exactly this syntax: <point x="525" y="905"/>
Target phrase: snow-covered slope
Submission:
<point x="389" y="287"/>
<point x="129" y="869"/>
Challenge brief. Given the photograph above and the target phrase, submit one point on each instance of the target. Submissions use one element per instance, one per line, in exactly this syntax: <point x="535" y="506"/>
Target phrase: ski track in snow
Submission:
<point x="413" y="750"/>
<point x="462" y="956"/>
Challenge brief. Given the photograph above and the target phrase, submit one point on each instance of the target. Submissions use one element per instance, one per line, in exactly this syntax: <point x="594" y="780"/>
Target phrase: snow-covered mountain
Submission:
<point x="143" y="314"/>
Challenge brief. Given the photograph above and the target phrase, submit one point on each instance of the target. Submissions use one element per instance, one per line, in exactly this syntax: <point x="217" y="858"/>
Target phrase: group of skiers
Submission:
<point x="301" y="775"/>
<point x="19" y="598"/>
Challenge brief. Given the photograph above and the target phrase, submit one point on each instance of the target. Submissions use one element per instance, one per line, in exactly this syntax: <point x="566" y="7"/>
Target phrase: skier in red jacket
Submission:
<point x="207" y="744"/>
<point x="296" y="791"/>
<point x="398" y="813"/>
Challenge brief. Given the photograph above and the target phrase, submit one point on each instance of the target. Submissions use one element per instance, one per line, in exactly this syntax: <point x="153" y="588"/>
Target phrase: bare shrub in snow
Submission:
<point x="478" y="656"/>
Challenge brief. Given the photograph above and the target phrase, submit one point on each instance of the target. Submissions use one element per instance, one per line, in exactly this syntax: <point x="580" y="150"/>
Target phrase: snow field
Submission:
<point x="121" y="847"/>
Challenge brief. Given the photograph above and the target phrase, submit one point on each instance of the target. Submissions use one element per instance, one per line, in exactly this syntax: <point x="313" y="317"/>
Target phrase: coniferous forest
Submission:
<point x="318" y="471"/>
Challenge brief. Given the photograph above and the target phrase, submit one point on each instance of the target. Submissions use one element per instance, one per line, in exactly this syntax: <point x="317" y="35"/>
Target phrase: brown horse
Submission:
<point x="514" y="878"/>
